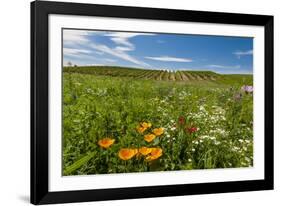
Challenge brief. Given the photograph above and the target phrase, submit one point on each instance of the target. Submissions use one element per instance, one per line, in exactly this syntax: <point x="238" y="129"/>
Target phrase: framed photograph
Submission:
<point x="131" y="102"/>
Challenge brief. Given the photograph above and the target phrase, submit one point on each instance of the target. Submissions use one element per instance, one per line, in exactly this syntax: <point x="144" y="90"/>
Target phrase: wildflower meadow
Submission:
<point x="120" y="120"/>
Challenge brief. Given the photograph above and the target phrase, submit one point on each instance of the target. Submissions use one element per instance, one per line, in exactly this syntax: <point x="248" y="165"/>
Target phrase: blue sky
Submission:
<point x="227" y="55"/>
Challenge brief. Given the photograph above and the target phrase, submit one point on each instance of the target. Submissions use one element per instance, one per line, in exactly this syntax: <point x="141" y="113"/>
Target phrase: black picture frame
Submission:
<point x="40" y="100"/>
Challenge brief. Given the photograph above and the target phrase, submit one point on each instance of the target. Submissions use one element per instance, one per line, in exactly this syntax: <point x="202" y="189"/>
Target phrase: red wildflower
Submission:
<point x="181" y="120"/>
<point x="192" y="130"/>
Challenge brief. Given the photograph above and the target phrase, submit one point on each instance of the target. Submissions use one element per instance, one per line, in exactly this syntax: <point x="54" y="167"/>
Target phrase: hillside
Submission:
<point x="162" y="75"/>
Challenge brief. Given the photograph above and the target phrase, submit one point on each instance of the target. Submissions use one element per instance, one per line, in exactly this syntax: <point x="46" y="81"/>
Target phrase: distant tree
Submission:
<point x="69" y="64"/>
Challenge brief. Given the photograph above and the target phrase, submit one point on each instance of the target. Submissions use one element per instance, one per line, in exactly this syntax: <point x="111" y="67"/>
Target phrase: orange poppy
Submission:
<point x="149" y="137"/>
<point x="158" y="131"/>
<point x="155" y="154"/>
<point x="141" y="129"/>
<point x="126" y="153"/>
<point x="145" y="150"/>
<point x="143" y="126"/>
<point x="146" y="124"/>
<point x="106" y="142"/>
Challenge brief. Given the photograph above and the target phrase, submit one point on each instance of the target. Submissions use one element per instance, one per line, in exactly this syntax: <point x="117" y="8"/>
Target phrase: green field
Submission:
<point x="205" y="120"/>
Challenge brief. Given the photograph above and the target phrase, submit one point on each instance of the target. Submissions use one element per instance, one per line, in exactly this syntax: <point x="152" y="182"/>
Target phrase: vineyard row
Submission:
<point x="145" y="74"/>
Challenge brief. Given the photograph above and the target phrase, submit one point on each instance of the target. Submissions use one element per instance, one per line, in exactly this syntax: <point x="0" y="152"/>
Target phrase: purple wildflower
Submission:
<point x="247" y="88"/>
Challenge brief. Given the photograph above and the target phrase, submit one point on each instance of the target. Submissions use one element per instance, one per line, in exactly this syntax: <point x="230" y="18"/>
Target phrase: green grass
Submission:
<point x="101" y="102"/>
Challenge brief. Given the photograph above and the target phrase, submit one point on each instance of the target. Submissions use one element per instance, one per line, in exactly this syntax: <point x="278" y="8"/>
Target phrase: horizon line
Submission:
<point x="157" y="69"/>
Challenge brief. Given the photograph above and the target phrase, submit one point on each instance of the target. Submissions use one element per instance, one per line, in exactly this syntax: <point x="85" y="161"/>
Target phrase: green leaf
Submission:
<point x="76" y="165"/>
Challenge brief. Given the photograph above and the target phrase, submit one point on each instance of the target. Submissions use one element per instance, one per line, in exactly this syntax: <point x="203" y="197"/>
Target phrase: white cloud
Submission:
<point x="75" y="37"/>
<point x="238" y="54"/>
<point x="169" y="59"/>
<point x="118" y="53"/>
<point x="97" y="52"/>
<point x="95" y="64"/>
<point x="78" y="37"/>
<point x="120" y="49"/>
<point x="110" y="60"/>
<point x="122" y="38"/>
<point x="124" y="49"/>
<point x="75" y="52"/>
<point x="190" y="69"/>
<point x="224" y="66"/>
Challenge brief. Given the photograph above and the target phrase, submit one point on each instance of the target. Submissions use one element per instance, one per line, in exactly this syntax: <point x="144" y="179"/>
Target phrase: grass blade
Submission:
<point x="76" y="165"/>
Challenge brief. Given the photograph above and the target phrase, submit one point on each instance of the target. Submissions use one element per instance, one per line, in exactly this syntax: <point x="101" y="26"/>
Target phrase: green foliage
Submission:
<point x="79" y="163"/>
<point x="101" y="102"/>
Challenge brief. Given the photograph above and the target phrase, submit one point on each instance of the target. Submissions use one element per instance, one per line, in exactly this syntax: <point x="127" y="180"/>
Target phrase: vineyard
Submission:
<point x="120" y="120"/>
<point x="164" y="75"/>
